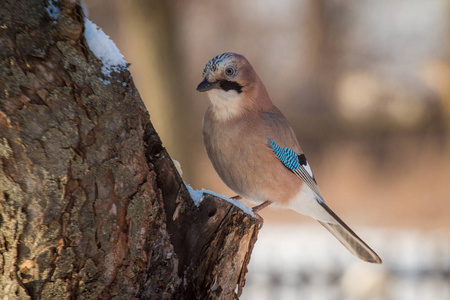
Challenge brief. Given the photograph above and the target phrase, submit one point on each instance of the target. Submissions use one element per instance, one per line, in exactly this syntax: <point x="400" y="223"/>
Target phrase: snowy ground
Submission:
<point x="306" y="262"/>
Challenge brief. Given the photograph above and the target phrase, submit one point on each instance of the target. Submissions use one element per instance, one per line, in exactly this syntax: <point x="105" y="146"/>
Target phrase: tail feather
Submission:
<point x="349" y="239"/>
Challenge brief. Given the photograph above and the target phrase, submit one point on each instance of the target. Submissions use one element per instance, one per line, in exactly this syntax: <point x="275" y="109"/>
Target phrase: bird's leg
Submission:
<point x="257" y="208"/>
<point x="237" y="197"/>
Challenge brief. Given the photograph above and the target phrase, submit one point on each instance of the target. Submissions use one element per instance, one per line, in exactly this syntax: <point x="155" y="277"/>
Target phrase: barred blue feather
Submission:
<point x="292" y="161"/>
<point x="287" y="156"/>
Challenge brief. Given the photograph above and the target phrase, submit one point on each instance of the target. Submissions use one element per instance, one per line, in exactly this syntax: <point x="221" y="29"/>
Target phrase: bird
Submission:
<point x="255" y="151"/>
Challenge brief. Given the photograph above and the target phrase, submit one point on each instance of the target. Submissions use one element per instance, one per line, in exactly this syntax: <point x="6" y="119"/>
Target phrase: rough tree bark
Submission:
<point x="91" y="205"/>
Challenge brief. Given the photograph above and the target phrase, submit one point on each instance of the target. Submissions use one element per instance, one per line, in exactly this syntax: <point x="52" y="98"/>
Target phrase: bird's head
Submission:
<point x="226" y="71"/>
<point x="231" y="83"/>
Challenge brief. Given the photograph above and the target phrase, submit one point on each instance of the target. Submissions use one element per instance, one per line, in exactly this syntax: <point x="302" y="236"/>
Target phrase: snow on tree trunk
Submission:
<point x="91" y="205"/>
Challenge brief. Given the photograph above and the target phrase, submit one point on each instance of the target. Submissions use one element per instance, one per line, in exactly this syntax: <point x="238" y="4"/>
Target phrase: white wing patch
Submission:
<point x="308" y="169"/>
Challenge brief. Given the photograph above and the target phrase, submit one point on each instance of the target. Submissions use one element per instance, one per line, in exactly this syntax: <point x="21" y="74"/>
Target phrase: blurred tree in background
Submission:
<point x="365" y="84"/>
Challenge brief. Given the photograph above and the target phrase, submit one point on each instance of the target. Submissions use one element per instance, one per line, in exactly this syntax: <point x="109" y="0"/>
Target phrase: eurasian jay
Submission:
<point x="255" y="152"/>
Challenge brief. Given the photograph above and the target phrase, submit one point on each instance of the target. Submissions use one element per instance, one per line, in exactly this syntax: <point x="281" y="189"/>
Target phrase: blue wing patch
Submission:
<point x="297" y="164"/>
<point x="287" y="156"/>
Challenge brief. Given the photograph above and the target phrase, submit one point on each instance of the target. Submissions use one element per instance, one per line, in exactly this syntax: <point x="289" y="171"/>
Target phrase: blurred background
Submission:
<point x="365" y="85"/>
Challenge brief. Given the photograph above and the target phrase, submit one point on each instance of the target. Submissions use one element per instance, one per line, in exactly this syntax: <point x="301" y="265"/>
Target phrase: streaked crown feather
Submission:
<point x="213" y="64"/>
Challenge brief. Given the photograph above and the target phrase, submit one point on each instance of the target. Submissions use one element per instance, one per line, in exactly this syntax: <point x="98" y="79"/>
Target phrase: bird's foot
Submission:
<point x="257" y="208"/>
<point x="237" y="197"/>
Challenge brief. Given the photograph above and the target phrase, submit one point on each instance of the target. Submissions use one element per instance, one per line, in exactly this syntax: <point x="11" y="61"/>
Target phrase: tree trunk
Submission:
<point x="91" y="205"/>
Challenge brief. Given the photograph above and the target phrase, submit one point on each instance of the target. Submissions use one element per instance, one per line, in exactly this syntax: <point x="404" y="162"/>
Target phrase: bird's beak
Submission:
<point x="205" y="85"/>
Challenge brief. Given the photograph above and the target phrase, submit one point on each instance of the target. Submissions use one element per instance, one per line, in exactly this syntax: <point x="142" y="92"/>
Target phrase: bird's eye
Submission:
<point x="229" y="71"/>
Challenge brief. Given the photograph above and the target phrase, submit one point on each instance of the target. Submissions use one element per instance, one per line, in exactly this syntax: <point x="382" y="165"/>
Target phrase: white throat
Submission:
<point x="225" y="104"/>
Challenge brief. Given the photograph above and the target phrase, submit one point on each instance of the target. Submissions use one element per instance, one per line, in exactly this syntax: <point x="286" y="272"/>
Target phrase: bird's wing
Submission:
<point x="297" y="164"/>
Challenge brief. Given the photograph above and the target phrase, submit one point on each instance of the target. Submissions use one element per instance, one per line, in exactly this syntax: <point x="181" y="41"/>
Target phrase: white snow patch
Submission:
<point x="198" y="195"/>
<point x="85" y="9"/>
<point x="104" y="48"/>
<point x="178" y="166"/>
<point x="52" y="9"/>
<point x="105" y="82"/>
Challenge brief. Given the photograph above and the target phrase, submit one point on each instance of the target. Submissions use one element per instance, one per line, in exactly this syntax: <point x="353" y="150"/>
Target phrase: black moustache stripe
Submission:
<point x="227" y="85"/>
